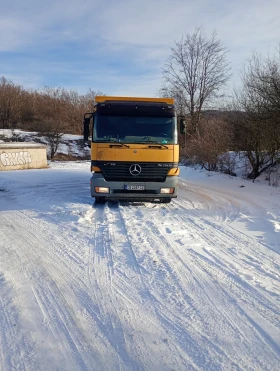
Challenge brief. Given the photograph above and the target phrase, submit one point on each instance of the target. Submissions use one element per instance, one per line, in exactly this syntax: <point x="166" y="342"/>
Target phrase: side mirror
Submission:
<point x="86" y="128"/>
<point x="182" y="126"/>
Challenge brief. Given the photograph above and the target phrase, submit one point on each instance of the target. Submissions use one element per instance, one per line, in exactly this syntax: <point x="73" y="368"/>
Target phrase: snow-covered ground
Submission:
<point x="191" y="285"/>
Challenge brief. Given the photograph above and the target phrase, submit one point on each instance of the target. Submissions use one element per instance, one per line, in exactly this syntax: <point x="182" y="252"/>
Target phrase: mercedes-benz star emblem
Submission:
<point x="135" y="169"/>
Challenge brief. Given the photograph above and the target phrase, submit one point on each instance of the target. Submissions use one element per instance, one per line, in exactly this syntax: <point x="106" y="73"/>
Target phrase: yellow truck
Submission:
<point x="134" y="149"/>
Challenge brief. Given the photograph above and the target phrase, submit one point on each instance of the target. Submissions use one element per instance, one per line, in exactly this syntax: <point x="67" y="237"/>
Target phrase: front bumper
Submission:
<point x="118" y="191"/>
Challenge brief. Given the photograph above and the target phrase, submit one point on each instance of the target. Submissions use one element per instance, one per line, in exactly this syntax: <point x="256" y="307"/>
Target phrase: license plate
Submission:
<point x="134" y="187"/>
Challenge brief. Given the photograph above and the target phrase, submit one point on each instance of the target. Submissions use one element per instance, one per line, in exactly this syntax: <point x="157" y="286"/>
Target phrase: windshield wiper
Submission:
<point x="156" y="144"/>
<point x="118" y="144"/>
<point x="115" y="142"/>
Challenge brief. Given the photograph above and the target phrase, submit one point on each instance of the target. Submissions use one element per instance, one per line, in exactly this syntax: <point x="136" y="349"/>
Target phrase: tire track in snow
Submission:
<point x="60" y="321"/>
<point x="125" y="295"/>
<point x="101" y="277"/>
<point x="245" y="309"/>
<point x="16" y="345"/>
<point x="153" y="229"/>
<point x="215" y="236"/>
<point x="150" y="300"/>
<point x="93" y="310"/>
<point x="10" y="336"/>
<point x="255" y="298"/>
<point x="150" y="235"/>
<point x="66" y="342"/>
<point x="149" y="287"/>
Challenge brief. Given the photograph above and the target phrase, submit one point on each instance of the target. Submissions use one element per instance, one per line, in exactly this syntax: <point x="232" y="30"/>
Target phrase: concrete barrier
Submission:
<point x="22" y="155"/>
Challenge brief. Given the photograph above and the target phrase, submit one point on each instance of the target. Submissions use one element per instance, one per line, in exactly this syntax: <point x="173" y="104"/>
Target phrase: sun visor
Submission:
<point x="135" y="109"/>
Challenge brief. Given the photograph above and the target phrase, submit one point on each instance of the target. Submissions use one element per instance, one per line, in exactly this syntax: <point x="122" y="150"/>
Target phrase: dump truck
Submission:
<point x="134" y="149"/>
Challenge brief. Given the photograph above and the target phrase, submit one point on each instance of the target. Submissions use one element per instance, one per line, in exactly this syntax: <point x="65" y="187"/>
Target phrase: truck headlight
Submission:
<point x="167" y="190"/>
<point x="102" y="189"/>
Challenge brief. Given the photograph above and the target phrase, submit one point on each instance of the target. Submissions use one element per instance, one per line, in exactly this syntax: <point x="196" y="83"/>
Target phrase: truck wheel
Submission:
<point x="100" y="200"/>
<point x="166" y="200"/>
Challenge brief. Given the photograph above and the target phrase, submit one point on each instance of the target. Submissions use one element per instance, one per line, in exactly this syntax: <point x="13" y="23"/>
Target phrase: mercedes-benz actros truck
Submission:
<point x="134" y="149"/>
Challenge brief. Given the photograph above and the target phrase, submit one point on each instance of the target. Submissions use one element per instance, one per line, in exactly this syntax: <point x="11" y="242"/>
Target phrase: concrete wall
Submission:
<point x="26" y="155"/>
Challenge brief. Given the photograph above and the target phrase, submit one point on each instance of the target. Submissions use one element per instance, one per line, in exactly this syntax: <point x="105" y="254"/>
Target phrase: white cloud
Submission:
<point x="145" y="23"/>
<point x="146" y="30"/>
<point x="137" y="34"/>
<point x="32" y="22"/>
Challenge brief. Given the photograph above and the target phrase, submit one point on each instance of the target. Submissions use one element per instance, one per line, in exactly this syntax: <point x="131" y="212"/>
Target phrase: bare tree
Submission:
<point x="249" y="135"/>
<point x="195" y="72"/>
<point x="261" y="81"/>
<point x="208" y="150"/>
<point x="52" y="107"/>
<point x="257" y="126"/>
<point x="262" y="78"/>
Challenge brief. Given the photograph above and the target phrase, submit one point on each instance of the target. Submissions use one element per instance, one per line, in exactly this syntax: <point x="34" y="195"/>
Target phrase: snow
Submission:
<point x="191" y="285"/>
<point x="21" y="145"/>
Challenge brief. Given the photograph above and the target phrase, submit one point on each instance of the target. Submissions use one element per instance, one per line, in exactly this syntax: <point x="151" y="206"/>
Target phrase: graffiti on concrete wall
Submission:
<point x="15" y="158"/>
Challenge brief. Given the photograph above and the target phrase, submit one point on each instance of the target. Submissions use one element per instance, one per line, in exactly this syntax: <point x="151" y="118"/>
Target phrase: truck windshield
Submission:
<point x="134" y="129"/>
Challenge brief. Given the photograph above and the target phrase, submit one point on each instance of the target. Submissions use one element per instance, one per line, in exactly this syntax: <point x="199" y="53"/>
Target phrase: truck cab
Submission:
<point x="134" y="149"/>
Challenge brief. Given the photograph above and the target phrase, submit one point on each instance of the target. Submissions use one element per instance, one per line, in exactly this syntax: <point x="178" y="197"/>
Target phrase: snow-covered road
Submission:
<point x="191" y="285"/>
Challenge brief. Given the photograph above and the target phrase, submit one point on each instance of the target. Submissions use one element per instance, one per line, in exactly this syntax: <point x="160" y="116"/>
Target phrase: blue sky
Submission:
<point x="118" y="47"/>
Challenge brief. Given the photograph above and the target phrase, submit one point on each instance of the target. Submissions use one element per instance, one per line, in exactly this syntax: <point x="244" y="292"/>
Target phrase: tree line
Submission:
<point x="38" y="110"/>
<point x="196" y="75"/>
<point x="51" y="112"/>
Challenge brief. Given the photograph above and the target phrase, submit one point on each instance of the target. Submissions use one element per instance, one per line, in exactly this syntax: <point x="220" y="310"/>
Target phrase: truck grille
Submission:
<point x="150" y="172"/>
